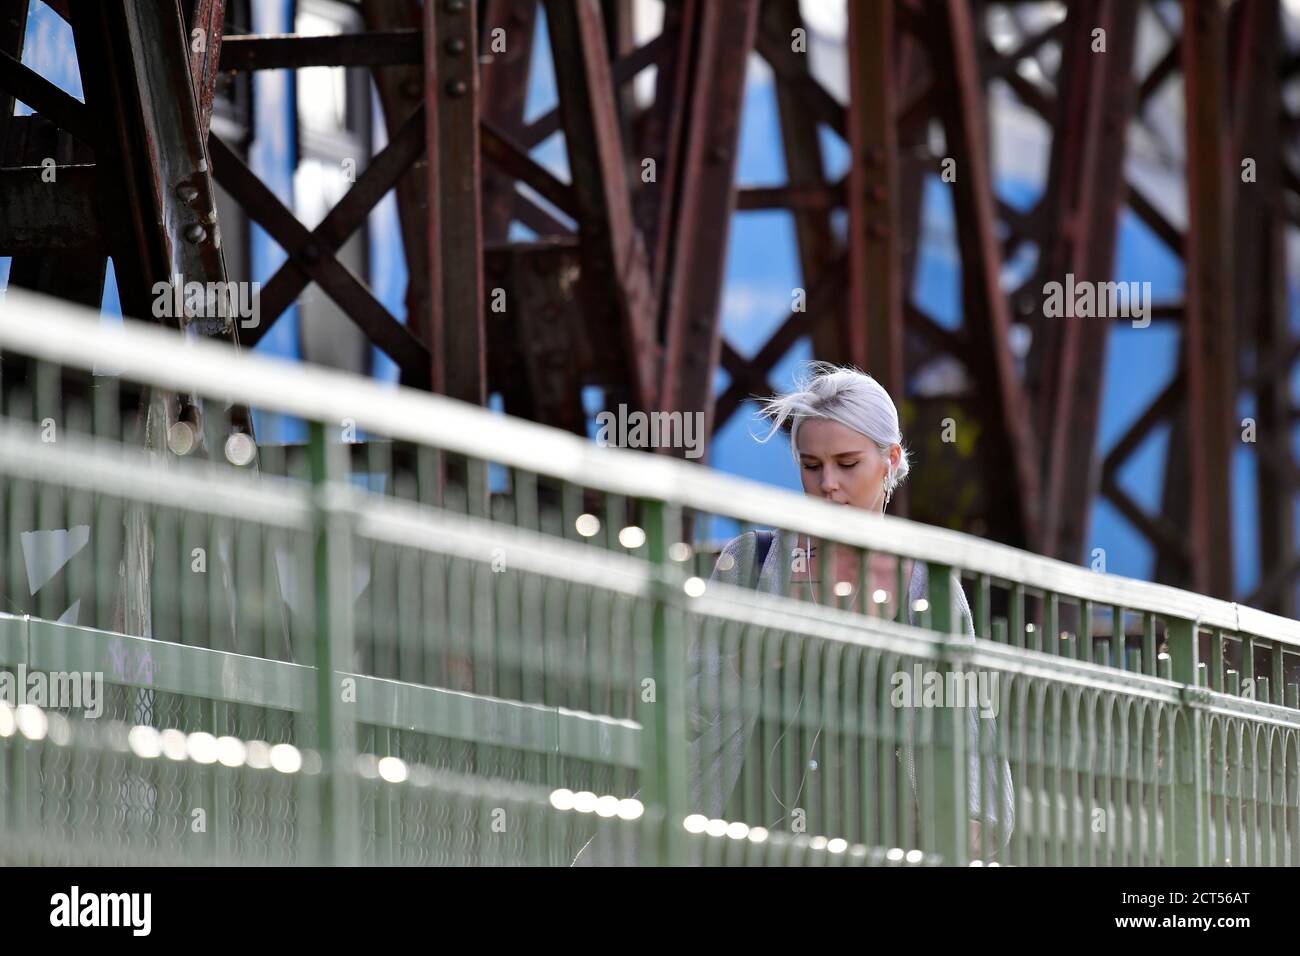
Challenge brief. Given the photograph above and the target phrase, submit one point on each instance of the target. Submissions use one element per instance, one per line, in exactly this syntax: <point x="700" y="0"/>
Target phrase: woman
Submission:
<point x="845" y="437"/>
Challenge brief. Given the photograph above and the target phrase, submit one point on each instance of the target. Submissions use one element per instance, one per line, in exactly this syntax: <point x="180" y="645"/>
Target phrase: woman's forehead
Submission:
<point x="826" y="436"/>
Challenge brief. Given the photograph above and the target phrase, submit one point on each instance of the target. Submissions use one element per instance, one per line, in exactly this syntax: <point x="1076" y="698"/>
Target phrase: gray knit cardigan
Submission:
<point x="717" y="741"/>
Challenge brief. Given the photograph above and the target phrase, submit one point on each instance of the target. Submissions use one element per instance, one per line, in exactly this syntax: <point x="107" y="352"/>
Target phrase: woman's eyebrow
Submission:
<point x="834" y="454"/>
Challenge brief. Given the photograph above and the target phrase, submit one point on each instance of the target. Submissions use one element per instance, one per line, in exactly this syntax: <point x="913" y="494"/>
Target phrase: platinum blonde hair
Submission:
<point x="845" y="395"/>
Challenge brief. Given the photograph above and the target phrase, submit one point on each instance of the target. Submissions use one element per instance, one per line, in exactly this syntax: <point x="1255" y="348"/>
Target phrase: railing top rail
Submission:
<point x="59" y="332"/>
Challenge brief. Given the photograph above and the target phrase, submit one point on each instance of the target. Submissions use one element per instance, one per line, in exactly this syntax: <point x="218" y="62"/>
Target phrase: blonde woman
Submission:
<point x="845" y="438"/>
<point x="846" y="441"/>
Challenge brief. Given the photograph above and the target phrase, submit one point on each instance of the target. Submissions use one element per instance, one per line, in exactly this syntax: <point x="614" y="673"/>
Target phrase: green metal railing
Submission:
<point x="427" y="634"/>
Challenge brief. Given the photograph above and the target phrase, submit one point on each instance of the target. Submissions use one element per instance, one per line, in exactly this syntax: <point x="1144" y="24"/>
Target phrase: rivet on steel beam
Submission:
<point x="456" y="88"/>
<point x="719" y="154"/>
<point x="454" y="6"/>
<point x="187" y="193"/>
<point x="455" y="46"/>
<point x="195" y="233"/>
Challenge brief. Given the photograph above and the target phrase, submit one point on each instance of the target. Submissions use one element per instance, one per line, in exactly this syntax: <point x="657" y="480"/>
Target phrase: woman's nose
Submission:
<point x="829" y="482"/>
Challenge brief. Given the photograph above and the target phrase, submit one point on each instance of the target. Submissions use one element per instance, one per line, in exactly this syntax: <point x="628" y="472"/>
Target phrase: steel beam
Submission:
<point x="337" y="281"/>
<point x="660" y="133"/>
<point x="50" y="226"/>
<point x="504" y="91"/>
<point x="616" y="266"/>
<point x="13" y="30"/>
<point x="805" y="172"/>
<point x="19" y="82"/>
<point x="155" y="186"/>
<point x="1261" y="287"/>
<point x="451" y="90"/>
<point x="692" y="311"/>
<point x="394" y="47"/>
<point x="875" y="318"/>
<point x="400" y="94"/>
<point x="952" y="45"/>
<point x="339" y="224"/>
<point x="43" y="216"/>
<point x="1208" y="339"/>
<point x="1083" y="197"/>
<point x="751" y="377"/>
<point x="206" y="22"/>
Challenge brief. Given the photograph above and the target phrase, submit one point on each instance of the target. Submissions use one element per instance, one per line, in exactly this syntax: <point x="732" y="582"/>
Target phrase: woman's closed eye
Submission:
<point x="814" y="465"/>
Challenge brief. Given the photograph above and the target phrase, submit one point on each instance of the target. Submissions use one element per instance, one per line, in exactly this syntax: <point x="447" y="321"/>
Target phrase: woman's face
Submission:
<point x="842" y="465"/>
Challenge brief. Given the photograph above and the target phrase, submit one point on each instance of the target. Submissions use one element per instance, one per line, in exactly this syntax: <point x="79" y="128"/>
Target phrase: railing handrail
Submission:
<point x="60" y="332"/>
<point x="227" y="677"/>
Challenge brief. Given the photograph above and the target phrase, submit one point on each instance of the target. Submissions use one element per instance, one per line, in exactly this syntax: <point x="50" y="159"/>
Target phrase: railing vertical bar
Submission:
<point x="1248" y="667"/>
<point x="952" y="836"/>
<point x="1016" y="614"/>
<point x="334" y="635"/>
<point x="1083" y="647"/>
<point x="664" y="756"/>
<point x="1190" y="821"/>
<point x="1148" y="665"/>
<point x="1278" y="683"/>
<point x="1118" y="635"/>
<point x="1052" y="624"/>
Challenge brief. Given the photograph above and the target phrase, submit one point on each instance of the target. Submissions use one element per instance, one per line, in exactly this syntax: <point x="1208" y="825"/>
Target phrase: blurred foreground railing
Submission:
<point x="476" y="640"/>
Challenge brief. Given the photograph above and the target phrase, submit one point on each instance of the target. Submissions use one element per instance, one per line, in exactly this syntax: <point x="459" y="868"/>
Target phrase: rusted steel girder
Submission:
<point x="401" y="87"/>
<point x="154" y="181"/>
<point x="1082" y="203"/>
<point x="617" y="272"/>
<point x="693" y="296"/>
<point x="311" y="255"/>
<point x="13" y="30"/>
<point x="1209" y="343"/>
<point x="875" y="320"/>
<point x="504" y="91"/>
<point x="960" y="97"/>
<point x="659" y="135"/>
<point x="1261" y="291"/>
<point x="457" y="341"/>
<point x="805" y="169"/>
<point x="205" y="27"/>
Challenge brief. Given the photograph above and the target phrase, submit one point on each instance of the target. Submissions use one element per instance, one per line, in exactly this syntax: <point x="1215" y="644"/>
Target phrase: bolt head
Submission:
<point x="455" y="46"/>
<point x="456" y="88"/>
<point x="187" y="193"/>
<point x="195" y="233"/>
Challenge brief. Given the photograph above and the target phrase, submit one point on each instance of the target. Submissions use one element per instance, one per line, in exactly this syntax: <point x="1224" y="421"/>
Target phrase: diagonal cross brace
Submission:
<point x="319" y="265"/>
